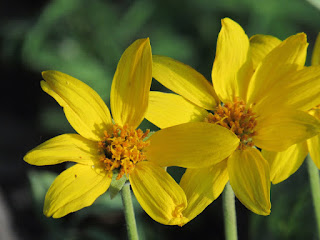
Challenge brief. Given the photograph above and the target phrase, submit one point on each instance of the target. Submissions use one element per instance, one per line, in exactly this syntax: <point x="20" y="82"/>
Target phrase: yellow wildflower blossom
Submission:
<point x="106" y="146"/>
<point x="284" y="164"/>
<point x="261" y="83"/>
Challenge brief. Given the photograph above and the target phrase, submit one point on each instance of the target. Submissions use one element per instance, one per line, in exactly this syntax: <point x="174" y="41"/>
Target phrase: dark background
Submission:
<point x="85" y="39"/>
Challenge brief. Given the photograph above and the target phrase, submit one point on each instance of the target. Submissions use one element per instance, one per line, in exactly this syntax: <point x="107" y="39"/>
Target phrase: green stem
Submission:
<point x="229" y="214"/>
<point x="315" y="189"/>
<point x="129" y="213"/>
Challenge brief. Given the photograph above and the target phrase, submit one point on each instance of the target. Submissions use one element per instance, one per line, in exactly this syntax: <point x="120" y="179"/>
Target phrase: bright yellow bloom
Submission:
<point x="262" y="84"/>
<point x="106" y="146"/>
<point x="284" y="164"/>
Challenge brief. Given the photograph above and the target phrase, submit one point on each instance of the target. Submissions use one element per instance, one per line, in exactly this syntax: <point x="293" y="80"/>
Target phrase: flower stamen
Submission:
<point x="237" y="117"/>
<point x="122" y="149"/>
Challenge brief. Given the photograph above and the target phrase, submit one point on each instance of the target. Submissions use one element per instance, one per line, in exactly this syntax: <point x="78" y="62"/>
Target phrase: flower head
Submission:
<point x="258" y="94"/>
<point x="103" y="148"/>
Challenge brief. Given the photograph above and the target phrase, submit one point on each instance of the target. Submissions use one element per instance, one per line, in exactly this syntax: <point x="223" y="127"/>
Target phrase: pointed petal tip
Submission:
<point x="147" y="40"/>
<point x="45" y="74"/>
<point x="266" y="212"/>
<point x="27" y="158"/>
<point x="144" y="41"/>
<point x="300" y="38"/>
<point x="225" y="20"/>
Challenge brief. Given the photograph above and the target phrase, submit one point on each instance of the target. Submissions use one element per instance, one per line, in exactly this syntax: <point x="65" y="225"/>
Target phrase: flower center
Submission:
<point x="122" y="149"/>
<point x="237" y="117"/>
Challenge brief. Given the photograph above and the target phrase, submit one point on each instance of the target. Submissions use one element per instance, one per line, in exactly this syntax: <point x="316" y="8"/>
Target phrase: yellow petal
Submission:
<point x="158" y="193"/>
<point x="191" y="145"/>
<point x="314" y="149"/>
<point x="314" y="142"/>
<point x="64" y="148"/>
<point x="298" y="90"/>
<point x="167" y="109"/>
<point x="83" y="107"/>
<point x="131" y="84"/>
<point x="315" y="60"/>
<point x="185" y="81"/>
<point x="284" y="164"/>
<point x="202" y="186"/>
<point x="250" y="179"/>
<point x="276" y="132"/>
<point x="75" y="188"/>
<point x="287" y="57"/>
<point x="232" y="67"/>
<point x="260" y="46"/>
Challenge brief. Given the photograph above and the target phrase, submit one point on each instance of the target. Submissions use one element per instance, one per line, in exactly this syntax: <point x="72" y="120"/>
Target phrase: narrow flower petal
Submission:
<point x="167" y="109"/>
<point x="276" y="132"/>
<point x="158" y="193"/>
<point x="298" y="90"/>
<point x="260" y="46"/>
<point x="191" y="145"/>
<point x="232" y="67"/>
<point x="185" y="81"/>
<point x="75" y="188"/>
<point x="315" y="60"/>
<point x="83" y="107"/>
<point x="64" y="148"/>
<point x="250" y="179"/>
<point x="287" y="57"/>
<point x="131" y="84"/>
<point x="314" y="142"/>
<point x="284" y="164"/>
<point x="314" y="149"/>
<point x="202" y="186"/>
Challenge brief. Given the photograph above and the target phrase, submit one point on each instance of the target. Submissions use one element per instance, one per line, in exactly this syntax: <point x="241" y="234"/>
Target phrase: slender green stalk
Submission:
<point x="229" y="214"/>
<point x="315" y="189"/>
<point x="129" y="213"/>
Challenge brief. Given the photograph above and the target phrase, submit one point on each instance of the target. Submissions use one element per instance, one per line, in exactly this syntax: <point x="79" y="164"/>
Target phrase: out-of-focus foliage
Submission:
<point x="85" y="39"/>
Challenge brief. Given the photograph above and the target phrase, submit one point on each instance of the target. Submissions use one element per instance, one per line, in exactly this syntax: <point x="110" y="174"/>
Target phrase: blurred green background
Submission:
<point x="85" y="39"/>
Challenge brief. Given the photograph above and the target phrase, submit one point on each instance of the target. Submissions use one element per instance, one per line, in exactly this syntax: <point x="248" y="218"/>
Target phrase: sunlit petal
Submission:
<point x="131" y="84"/>
<point x="75" y="188"/>
<point x="191" y="145"/>
<point x="298" y="90"/>
<point x="185" y="81"/>
<point x="314" y="142"/>
<point x="250" y="179"/>
<point x="83" y="107"/>
<point x="64" y="148"/>
<point x="287" y="57"/>
<point x="278" y="131"/>
<point x="232" y="67"/>
<point x="167" y="109"/>
<point x="202" y="186"/>
<point x="260" y="46"/>
<point x="315" y="60"/>
<point x="158" y="193"/>
<point x="284" y="164"/>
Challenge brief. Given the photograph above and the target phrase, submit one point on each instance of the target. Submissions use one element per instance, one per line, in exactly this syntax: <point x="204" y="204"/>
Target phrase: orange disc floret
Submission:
<point x="123" y="148"/>
<point x="237" y="117"/>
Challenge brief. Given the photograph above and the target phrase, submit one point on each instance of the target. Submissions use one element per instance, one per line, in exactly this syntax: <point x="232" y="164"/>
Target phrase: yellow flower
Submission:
<point x="106" y="146"/>
<point x="262" y="83"/>
<point x="284" y="164"/>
